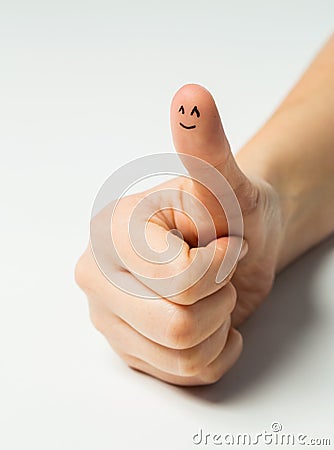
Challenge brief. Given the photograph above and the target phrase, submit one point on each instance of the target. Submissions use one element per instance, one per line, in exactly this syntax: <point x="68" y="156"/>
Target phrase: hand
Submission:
<point x="187" y="336"/>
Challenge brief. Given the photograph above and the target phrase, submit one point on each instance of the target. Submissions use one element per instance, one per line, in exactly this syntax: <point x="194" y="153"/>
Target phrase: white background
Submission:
<point x="85" y="87"/>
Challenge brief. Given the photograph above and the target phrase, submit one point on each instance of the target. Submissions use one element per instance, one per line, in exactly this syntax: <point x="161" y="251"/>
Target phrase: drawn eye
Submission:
<point x="195" y="110"/>
<point x="181" y="110"/>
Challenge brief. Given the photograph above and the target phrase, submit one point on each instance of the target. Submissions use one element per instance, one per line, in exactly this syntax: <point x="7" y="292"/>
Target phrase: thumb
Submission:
<point x="198" y="131"/>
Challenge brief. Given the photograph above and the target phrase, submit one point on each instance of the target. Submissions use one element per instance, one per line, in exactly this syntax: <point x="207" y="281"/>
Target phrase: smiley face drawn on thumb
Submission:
<point x="193" y="111"/>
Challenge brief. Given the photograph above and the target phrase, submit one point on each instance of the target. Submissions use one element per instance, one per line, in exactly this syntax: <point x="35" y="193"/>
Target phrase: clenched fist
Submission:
<point x="169" y="274"/>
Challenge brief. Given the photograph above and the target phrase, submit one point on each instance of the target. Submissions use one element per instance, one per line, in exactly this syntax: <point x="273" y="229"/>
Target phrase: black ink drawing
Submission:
<point x="193" y="111"/>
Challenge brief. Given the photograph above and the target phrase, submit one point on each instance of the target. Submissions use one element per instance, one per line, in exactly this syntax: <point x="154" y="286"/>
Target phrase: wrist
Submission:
<point x="304" y="194"/>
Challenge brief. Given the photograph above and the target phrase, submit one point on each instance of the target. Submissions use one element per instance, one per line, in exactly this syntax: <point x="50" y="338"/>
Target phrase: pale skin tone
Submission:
<point x="284" y="181"/>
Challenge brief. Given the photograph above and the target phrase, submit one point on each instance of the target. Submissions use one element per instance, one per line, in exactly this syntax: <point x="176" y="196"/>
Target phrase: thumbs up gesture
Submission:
<point x="259" y="203"/>
<point x="151" y="273"/>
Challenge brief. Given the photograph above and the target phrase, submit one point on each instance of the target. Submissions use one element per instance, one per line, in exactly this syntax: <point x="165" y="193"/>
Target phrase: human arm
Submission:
<point x="294" y="152"/>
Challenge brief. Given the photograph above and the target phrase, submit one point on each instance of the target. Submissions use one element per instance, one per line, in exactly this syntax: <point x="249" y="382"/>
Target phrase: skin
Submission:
<point x="283" y="180"/>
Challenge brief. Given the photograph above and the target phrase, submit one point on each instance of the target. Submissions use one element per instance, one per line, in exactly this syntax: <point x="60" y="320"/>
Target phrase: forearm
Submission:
<point x="294" y="152"/>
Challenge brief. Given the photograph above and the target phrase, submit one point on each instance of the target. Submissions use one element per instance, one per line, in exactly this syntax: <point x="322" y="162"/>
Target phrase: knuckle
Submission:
<point x="214" y="371"/>
<point x="85" y="273"/>
<point x="186" y="298"/>
<point x="182" y="328"/>
<point x="186" y="285"/>
<point x="237" y="341"/>
<point x="211" y="375"/>
<point x="179" y="294"/>
<point x="129" y="360"/>
<point x="188" y="291"/>
<point x="231" y="296"/>
<point x="98" y="320"/>
<point x="81" y="271"/>
<point x="190" y="362"/>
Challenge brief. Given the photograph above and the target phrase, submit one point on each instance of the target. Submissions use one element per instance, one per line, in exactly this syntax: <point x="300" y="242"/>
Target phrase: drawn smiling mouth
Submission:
<point x="187" y="128"/>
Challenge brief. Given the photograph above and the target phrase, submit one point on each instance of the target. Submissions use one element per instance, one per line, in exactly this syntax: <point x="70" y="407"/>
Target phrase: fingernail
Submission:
<point x="244" y="250"/>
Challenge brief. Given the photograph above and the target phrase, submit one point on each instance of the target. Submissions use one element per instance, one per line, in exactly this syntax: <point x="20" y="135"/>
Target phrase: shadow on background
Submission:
<point x="275" y="328"/>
